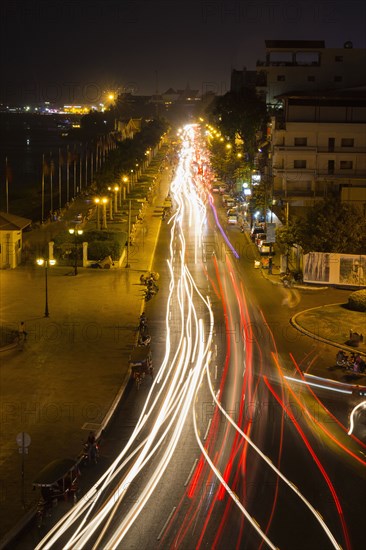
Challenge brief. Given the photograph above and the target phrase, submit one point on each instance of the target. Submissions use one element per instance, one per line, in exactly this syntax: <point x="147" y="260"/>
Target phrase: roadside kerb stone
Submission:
<point x="297" y="324"/>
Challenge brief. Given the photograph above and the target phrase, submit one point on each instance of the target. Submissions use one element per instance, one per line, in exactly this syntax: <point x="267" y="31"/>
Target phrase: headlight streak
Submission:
<point x="272" y="466"/>
<point x="176" y="405"/>
<point x="361" y="405"/>
<point x="299" y="381"/>
<point x="231" y="494"/>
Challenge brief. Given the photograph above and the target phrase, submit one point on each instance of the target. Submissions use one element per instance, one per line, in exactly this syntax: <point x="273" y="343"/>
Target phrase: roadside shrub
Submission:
<point x="97" y="250"/>
<point x="357" y="300"/>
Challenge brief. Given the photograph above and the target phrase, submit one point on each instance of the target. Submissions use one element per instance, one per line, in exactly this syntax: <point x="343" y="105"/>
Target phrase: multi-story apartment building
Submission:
<point x="308" y="65"/>
<point x="318" y="146"/>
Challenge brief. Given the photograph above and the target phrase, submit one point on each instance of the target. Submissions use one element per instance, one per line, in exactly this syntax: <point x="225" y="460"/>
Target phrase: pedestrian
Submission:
<point x="22" y="332"/>
<point x="92" y="448"/>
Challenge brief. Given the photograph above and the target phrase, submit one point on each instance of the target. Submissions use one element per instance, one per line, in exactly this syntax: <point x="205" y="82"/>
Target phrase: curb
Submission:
<point x="298" y="286"/>
<point x="298" y="327"/>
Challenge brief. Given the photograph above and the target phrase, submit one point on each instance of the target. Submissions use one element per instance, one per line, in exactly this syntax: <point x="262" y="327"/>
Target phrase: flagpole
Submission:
<point x="42" y="188"/>
<point x="74" y="171"/>
<point x="86" y="167"/>
<point x="67" y="175"/>
<point x="80" y="168"/>
<point x="59" y="180"/>
<point x="7" y="185"/>
<point x="51" y="184"/>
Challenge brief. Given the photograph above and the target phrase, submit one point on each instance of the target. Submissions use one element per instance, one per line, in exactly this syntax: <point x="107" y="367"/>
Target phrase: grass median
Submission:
<point x="334" y="323"/>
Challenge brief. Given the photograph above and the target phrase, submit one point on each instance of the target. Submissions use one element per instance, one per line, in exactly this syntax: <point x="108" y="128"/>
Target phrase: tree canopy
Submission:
<point x="329" y="226"/>
<point x="240" y="113"/>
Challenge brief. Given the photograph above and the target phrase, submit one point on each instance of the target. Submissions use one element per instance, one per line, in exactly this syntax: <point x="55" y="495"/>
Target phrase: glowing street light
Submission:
<point x="116" y="191"/>
<point x="97" y="202"/>
<point x="104" y="203"/>
<point x="76" y="233"/>
<point x="46" y="263"/>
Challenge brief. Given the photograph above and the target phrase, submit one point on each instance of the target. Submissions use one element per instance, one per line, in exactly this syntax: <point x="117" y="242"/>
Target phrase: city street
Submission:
<point x="224" y="447"/>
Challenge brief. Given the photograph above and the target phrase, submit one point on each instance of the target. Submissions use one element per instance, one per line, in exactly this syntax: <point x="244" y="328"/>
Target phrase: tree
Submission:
<point x="240" y="114"/>
<point x="332" y="226"/>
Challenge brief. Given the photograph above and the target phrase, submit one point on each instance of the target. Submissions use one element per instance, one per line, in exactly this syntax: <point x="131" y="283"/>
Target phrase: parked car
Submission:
<point x="255" y="231"/>
<point x="260" y="238"/>
<point x="232" y="220"/>
<point x="265" y="248"/>
<point x="232" y="211"/>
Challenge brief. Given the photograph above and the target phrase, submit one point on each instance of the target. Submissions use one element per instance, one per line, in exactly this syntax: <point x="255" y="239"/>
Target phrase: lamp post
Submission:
<point x="104" y="203"/>
<point x="97" y="202"/>
<point x="110" y="204"/>
<point x="46" y="263"/>
<point x="116" y="190"/>
<point x="126" y="181"/>
<point x="76" y="233"/>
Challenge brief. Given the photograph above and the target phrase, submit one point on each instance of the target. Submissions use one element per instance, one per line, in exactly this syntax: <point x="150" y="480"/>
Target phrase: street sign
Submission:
<point x="271" y="233"/>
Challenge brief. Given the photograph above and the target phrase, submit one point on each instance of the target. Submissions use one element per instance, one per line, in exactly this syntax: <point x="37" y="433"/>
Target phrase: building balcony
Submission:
<point x="303" y="173"/>
<point x="320" y="150"/>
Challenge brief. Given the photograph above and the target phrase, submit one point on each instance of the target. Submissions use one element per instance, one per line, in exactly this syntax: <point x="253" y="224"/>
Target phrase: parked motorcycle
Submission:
<point x="144" y="339"/>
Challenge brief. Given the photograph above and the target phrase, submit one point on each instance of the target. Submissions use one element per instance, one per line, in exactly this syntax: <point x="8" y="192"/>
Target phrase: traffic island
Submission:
<point x="332" y="324"/>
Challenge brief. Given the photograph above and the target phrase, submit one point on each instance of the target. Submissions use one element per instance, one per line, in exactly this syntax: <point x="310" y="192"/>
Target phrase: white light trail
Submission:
<point x="361" y="405"/>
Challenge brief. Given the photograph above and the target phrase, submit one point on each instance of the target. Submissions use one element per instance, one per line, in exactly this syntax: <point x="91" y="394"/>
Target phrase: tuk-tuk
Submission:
<point x="141" y="364"/>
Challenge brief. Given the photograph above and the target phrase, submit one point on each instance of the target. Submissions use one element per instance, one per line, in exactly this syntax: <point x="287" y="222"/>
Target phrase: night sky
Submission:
<point x="70" y="51"/>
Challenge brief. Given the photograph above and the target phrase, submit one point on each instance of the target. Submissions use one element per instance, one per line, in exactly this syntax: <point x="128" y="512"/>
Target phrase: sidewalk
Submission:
<point x="70" y="373"/>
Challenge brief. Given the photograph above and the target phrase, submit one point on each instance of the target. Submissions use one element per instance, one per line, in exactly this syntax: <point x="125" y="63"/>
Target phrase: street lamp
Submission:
<point x="97" y="202"/>
<point x="110" y="204"/>
<point x="104" y="203"/>
<point x="116" y="190"/>
<point x="46" y="263"/>
<point x="76" y="233"/>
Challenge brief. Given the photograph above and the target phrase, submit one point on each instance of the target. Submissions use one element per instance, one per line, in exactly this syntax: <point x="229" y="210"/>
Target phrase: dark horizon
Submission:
<point x="65" y="53"/>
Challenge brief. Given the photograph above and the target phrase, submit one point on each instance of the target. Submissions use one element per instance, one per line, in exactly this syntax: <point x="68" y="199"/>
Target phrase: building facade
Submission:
<point x="318" y="147"/>
<point x="308" y="65"/>
<point x="11" y="239"/>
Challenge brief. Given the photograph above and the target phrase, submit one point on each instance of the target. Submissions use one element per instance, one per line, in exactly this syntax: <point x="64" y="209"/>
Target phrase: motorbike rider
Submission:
<point x="342" y="357"/>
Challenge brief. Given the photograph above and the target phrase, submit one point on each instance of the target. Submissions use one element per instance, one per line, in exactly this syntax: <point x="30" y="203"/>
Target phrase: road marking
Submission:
<point x="208" y="427"/>
<point x="191" y="472"/>
<point x="166" y="523"/>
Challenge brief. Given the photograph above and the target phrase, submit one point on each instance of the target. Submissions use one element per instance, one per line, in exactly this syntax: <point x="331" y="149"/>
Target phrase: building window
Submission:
<point x="338" y="58"/>
<point x="346" y="164"/>
<point x="300" y="141"/>
<point x="281" y="77"/>
<point x="299" y="163"/>
<point x="331" y="164"/>
<point x="311" y="78"/>
<point x="338" y="78"/>
<point x="347" y="142"/>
